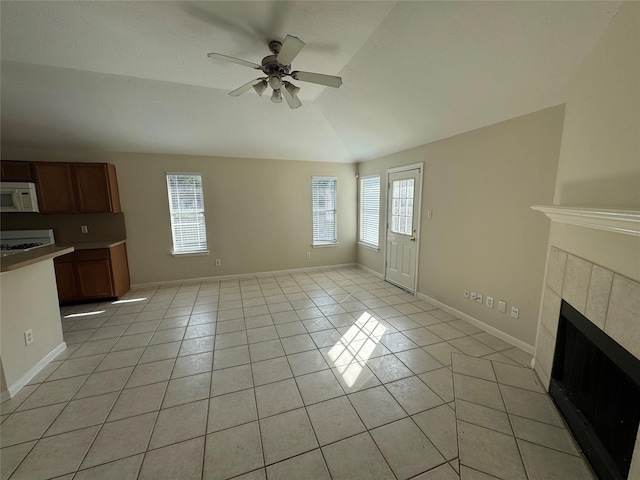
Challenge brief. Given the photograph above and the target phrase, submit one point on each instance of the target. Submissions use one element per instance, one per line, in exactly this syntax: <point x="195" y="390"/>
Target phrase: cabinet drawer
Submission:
<point x="93" y="254"/>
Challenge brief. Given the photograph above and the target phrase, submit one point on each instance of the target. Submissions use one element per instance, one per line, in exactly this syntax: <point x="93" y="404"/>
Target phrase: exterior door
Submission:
<point x="402" y="227"/>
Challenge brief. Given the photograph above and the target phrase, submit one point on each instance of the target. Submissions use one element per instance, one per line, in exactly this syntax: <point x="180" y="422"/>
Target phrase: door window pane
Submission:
<point x="402" y="206"/>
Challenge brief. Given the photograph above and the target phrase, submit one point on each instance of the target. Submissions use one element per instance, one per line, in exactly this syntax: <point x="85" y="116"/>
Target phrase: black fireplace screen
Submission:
<point x="596" y="384"/>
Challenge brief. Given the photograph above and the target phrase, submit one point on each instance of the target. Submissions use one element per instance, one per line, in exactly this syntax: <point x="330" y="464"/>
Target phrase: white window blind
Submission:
<point x="370" y="210"/>
<point x="323" y="192"/>
<point x="186" y="205"/>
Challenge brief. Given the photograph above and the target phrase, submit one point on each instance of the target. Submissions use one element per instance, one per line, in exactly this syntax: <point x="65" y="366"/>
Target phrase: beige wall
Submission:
<point x="483" y="236"/>
<point x="258" y="212"/>
<point x="600" y="154"/>
<point x="29" y="301"/>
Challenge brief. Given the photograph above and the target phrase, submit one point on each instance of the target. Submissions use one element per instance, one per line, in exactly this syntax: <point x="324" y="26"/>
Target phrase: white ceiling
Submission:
<point x="135" y="77"/>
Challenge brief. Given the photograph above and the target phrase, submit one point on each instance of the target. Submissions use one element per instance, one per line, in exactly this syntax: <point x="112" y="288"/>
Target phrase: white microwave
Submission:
<point x="18" y="197"/>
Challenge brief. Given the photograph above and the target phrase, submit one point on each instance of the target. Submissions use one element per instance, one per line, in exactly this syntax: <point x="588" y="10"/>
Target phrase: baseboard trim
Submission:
<point x="32" y="372"/>
<point x="480" y="324"/>
<point x="241" y="275"/>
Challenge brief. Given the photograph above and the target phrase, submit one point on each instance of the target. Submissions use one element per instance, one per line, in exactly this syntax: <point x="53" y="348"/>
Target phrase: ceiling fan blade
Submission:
<point x="290" y="48"/>
<point x="292" y="100"/>
<point x="226" y="58"/>
<point x="239" y="91"/>
<point x="328" y="80"/>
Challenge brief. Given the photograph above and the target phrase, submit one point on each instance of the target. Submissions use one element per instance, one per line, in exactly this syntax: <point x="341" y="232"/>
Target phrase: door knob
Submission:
<point x="413" y="239"/>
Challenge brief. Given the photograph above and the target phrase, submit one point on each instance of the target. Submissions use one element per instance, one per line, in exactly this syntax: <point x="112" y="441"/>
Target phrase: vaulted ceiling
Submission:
<point x="135" y="77"/>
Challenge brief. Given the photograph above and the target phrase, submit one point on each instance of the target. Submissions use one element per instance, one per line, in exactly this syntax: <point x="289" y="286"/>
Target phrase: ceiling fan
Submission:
<point x="277" y="66"/>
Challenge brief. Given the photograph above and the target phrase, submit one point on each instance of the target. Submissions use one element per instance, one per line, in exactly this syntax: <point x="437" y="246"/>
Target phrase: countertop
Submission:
<point x="23" y="259"/>
<point x="93" y="244"/>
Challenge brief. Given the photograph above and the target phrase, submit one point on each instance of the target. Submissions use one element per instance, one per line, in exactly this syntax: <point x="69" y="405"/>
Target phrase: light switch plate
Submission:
<point x="502" y="306"/>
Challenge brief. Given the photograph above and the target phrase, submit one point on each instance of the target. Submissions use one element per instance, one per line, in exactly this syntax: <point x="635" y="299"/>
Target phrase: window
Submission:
<point x="186" y="205"/>
<point x="323" y="195"/>
<point x="402" y="206"/>
<point x="370" y="210"/>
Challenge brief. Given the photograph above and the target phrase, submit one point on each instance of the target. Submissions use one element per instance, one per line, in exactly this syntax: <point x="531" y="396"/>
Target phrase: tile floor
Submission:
<point x="330" y="374"/>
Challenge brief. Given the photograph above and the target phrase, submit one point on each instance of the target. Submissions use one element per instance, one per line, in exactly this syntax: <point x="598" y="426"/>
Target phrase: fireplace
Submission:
<point x="596" y="384"/>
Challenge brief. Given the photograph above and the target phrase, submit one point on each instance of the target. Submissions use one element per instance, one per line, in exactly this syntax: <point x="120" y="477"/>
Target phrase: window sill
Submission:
<point x="368" y="246"/>
<point x="195" y="253"/>
<point x="323" y="245"/>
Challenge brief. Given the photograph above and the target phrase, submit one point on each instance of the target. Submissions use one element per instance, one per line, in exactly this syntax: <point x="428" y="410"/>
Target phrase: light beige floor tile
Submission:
<point x="265" y="350"/>
<point x="201" y="330"/>
<point x="445" y="331"/>
<point x="138" y="400"/>
<point x="544" y="463"/>
<point x="326" y="338"/>
<point x="28" y="425"/>
<point x="299" y="438"/>
<point x="441" y="351"/>
<point x="307" y="362"/>
<point x="408" y="451"/>
<point x="258" y="321"/>
<point x="167" y="335"/>
<point x="132" y="341"/>
<point x="193" y="364"/>
<point x="124" y="358"/>
<point x="262" y="334"/>
<point x="356" y="458"/>
<point x="443" y="472"/>
<point x="298" y="343"/>
<point x="55" y="456"/>
<point x="334" y="420"/>
<point x="75" y="367"/>
<point x="175" y="322"/>
<point x="388" y="368"/>
<point x="232" y="409"/>
<point x="142" y="327"/>
<point x="489" y="451"/>
<point x="476" y="390"/>
<point x="532" y="405"/>
<point x="492" y="341"/>
<point x="355" y="376"/>
<point x="543" y="434"/>
<point x="44" y="373"/>
<point x="187" y="389"/>
<point x="120" y="439"/>
<point x="440" y="381"/>
<point x="397" y="342"/>
<point x="520" y="356"/>
<point x="470" y="346"/>
<point x="272" y="370"/>
<point x="147" y="373"/>
<point x="164" y="351"/>
<point x="180" y="423"/>
<point x="376" y="407"/>
<point x="179" y="461"/>
<point x="231" y="380"/>
<point x="197" y="345"/>
<point x="483" y="416"/>
<point x="125" y="469"/>
<point x="520" y="377"/>
<point x="418" y="360"/>
<point x="467" y="473"/>
<point x="83" y="413"/>
<point x="318" y="386"/>
<point x="232" y="452"/>
<point x="308" y="465"/>
<point x="473" y="367"/>
<point x="413" y="395"/>
<point x="231" y="357"/>
<point x="12" y="456"/>
<point x="105" y="382"/>
<point x="231" y="339"/>
<point x="439" y="425"/>
<point x="49" y="393"/>
<point x="277" y="397"/>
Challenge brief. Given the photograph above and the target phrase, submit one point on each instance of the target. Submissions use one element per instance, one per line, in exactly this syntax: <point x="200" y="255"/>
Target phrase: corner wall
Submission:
<point x="483" y="236"/>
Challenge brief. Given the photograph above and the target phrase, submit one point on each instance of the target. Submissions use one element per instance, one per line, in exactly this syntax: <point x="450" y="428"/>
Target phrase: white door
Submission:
<point x="402" y="227"/>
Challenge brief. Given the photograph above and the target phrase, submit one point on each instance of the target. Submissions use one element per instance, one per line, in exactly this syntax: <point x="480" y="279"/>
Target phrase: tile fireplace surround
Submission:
<point x="608" y="300"/>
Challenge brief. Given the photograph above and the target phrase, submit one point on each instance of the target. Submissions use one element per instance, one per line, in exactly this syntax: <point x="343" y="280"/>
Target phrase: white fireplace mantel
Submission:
<point x="621" y="221"/>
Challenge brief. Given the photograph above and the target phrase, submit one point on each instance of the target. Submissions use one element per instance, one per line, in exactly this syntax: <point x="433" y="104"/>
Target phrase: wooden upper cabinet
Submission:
<point x="54" y="186"/>
<point x="96" y="188"/>
<point x="13" y="171"/>
<point x="76" y="187"/>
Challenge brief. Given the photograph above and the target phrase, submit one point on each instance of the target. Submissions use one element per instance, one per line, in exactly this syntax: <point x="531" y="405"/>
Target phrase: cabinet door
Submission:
<point x="94" y="279"/>
<point x="54" y="187"/>
<point x="65" y="279"/>
<point x="12" y="171"/>
<point x="95" y="189"/>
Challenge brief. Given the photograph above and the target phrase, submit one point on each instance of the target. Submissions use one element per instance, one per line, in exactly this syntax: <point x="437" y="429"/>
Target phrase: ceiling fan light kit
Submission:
<point x="276" y="67"/>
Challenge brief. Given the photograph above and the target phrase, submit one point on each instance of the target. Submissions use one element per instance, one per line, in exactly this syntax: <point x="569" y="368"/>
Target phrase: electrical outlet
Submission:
<point x="28" y="337"/>
<point x="218" y="262"/>
<point x="466" y="294"/>
<point x="502" y="306"/>
<point x="473" y="296"/>
<point x="308" y="254"/>
<point x="429" y="214"/>
<point x="84" y="229"/>
<point x="479" y="298"/>
<point x="515" y="312"/>
<point x="489" y="301"/>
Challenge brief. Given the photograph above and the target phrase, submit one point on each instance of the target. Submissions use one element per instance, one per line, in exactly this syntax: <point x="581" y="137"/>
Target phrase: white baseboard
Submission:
<point x="32" y="372"/>
<point x="480" y="324"/>
<point x="241" y="275"/>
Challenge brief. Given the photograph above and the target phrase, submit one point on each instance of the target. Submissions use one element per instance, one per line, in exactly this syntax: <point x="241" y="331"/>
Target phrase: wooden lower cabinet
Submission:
<point x="93" y="274"/>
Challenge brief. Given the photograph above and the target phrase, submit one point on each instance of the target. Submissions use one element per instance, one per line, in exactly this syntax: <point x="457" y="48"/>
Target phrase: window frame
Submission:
<point x="179" y="250"/>
<point x="363" y="214"/>
<point x="314" y="210"/>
